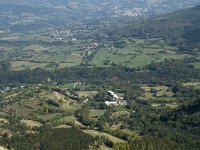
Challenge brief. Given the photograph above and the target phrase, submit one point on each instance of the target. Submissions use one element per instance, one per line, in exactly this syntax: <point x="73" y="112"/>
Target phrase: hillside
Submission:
<point x="180" y="28"/>
<point x="35" y="15"/>
<point x="103" y="43"/>
<point x="99" y="75"/>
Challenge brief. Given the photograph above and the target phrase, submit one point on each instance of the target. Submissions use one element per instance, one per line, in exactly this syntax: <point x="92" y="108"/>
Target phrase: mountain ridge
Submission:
<point x="48" y="13"/>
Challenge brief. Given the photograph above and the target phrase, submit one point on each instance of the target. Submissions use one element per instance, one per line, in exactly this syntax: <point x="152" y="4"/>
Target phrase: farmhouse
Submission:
<point x="111" y="103"/>
<point x="115" y="103"/>
<point x="116" y="100"/>
<point x="113" y="95"/>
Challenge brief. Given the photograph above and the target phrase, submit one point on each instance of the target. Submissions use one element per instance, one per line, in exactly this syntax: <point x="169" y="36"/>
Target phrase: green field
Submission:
<point x="136" y="54"/>
<point x="82" y="88"/>
<point x="38" y="51"/>
<point x="96" y="112"/>
<point x="87" y="93"/>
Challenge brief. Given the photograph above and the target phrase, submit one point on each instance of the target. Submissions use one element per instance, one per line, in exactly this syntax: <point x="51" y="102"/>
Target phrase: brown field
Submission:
<point x="191" y="83"/>
<point x="87" y="93"/>
<point x="52" y="95"/>
<point x="23" y="108"/>
<point x="106" y="135"/>
<point x="23" y="112"/>
<point x="66" y="106"/>
<point x="96" y="113"/>
<point x="20" y="65"/>
<point x="3" y="131"/>
<point x="36" y="47"/>
<point x="49" y="117"/>
<point x="4" y="121"/>
<point x="172" y="105"/>
<point x="3" y="148"/>
<point x="13" y="37"/>
<point x="159" y="88"/>
<point x="162" y="91"/>
<point x="67" y="119"/>
<point x="169" y="105"/>
<point x="11" y="95"/>
<point x="31" y="123"/>
<point x="129" y="132"/>
<point x="62" y="126"/>
<point x="58" y="96"/>
<point x="195" y="85"/>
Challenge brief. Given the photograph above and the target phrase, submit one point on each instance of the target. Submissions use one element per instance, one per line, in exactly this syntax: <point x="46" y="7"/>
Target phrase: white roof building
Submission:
<point x="111" y="103"/>
<point x="113" y="94"/>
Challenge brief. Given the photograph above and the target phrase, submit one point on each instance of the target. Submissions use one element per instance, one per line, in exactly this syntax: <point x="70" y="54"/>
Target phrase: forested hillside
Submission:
<point x="61" y="139"/>
<point x="180" y="28"/>
<point x="24" y="16"/>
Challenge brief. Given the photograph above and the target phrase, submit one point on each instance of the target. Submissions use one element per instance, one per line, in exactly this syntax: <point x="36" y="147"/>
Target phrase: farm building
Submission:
<point x="108" y="103"/>
<point x="113" y="95"/>
<point x="111" y="103"/>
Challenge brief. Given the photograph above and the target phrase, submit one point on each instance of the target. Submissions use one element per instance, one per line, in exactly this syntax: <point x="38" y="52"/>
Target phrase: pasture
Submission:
<point x="39" y="51"/>
<point x="87" y="93"/>
<point x="159" y="96"/>
<point x="106" y="135"/>
<point x="195" y="85"/>
<point x="96" y="113"/>
<point x="31" y="123"/>
<point x="137" y="53"/>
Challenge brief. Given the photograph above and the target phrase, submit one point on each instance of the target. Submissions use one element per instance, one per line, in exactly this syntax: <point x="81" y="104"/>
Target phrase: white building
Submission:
<point x="111" y="103"/>
<point x="114" y="96"/>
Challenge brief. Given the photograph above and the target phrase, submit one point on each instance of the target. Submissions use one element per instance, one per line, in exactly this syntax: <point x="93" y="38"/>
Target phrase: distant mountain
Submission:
<point x="181" y="28"/>
<point x="112" y="7"/>
<point x="42" y="14"/>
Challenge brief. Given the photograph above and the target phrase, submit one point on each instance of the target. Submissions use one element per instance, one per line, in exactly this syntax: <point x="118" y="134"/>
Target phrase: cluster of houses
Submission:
<point x="7" y="89"/>
<point x="116" y="100"/>
<point x="58" y="34"/>
<point x="130" y="12"/>
<point x="89" y="50"/>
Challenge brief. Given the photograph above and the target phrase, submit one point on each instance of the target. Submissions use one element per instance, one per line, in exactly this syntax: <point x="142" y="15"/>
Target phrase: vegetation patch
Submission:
<point x="87" y="93"/>
<point x="106" y="135"/>
<point x="68" y="138"/>
<point x="31" y="123"/>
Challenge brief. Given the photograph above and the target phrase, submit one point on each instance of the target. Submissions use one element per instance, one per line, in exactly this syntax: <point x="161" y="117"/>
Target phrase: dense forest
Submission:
<point x="61" y="139"/>
<point x="167" y="72"/>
